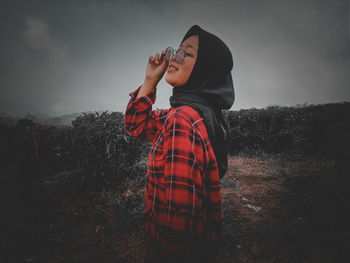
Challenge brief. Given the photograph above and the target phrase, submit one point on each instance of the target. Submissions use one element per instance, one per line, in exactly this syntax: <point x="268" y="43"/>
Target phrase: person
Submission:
<point x="188" y="155"/>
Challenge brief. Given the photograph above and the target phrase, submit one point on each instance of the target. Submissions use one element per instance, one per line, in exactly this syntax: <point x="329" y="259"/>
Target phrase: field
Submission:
<point x="76" y="194"/>
<point x="275" y="210"/>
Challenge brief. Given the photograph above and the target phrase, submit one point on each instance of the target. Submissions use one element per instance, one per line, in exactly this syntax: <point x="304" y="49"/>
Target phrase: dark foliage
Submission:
<point x="43" y="165"/>
<point x="104" y="148"/>
<point x="321" y="130"/>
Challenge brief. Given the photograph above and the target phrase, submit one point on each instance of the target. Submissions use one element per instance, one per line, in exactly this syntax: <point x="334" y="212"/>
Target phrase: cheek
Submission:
<point x="181" y="76"/>
<point x="184" y="72"/>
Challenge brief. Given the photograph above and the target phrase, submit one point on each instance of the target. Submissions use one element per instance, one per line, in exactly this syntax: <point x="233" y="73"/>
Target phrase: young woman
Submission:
<point x="188" y="156"/>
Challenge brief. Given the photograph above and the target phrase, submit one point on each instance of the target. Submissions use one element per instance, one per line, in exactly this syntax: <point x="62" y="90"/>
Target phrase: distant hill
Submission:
<point x="42" y="118"/>
<point x="305" y="104"/>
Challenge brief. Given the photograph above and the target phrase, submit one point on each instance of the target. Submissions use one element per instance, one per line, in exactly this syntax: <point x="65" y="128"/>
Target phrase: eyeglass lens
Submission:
<point x="179" y="54"/>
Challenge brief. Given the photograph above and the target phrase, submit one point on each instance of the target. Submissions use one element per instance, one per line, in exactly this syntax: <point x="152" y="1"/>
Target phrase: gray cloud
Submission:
<point x="60" y="58"/>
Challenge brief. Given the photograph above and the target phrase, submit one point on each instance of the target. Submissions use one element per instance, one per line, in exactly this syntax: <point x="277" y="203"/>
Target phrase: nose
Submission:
<point x="173" y="57"/>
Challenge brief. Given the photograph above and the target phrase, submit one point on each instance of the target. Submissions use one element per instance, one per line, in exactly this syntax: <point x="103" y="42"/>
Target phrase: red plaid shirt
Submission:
<point x="183" y="217"/>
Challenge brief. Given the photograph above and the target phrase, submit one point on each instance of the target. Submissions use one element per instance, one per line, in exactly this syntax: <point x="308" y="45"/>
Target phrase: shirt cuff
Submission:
<point x="144" y="101"/>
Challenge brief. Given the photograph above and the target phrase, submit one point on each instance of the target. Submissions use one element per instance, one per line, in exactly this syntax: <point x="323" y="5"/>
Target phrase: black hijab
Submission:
<point x="209" y="89"/>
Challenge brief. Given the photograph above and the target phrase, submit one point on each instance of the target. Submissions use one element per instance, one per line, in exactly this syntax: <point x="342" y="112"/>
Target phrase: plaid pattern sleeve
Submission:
<point x="140" y="120"/>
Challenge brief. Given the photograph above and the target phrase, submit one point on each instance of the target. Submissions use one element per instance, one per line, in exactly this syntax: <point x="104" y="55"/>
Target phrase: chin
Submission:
<point x="170" y="81"/>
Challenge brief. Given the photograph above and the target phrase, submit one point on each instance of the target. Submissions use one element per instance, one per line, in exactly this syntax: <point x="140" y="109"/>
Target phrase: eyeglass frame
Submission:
<point x="174" y="52"/>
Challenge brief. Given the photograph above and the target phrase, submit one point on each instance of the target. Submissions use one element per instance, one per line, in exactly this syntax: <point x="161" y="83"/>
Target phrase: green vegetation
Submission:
<point x="53" y="177"/>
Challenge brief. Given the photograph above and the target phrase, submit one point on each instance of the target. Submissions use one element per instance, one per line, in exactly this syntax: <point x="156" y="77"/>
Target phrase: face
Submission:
<point x="180" y="76"/>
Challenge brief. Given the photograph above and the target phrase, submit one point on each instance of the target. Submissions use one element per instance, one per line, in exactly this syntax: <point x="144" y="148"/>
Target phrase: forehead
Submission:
<point x="191" y="42"/>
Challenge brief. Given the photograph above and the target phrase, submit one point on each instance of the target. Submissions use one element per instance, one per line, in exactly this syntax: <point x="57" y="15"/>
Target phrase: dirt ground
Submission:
<point x="275" y="210"/>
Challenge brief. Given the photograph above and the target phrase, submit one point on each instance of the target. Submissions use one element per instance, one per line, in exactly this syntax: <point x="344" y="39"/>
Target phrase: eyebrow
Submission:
<point x="189" y="46"/>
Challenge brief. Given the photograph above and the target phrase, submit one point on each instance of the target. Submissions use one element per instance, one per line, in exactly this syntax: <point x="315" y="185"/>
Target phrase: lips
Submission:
<point x="172" y="66"/>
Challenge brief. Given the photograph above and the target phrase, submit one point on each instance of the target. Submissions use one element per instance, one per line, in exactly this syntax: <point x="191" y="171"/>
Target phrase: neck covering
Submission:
<point x="209" y="90"/>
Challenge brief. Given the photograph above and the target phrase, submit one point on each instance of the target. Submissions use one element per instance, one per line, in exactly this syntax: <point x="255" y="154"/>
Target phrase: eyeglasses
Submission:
<point x="180" y="54"/>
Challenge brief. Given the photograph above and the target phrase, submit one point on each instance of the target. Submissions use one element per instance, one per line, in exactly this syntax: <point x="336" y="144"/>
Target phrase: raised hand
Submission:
<point x="156" y="67"/>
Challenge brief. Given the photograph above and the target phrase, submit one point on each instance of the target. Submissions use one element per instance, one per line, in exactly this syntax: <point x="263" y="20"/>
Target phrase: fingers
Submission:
<point x="158" y="58"/>
<point x="151" y="59"/>
<point x="162" y="55"/>
<point x="163" y="58"/>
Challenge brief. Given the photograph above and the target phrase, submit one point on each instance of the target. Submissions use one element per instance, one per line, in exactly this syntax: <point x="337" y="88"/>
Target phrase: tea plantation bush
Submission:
<point x="96" y="144"/>
<point x="104" y="148"/>
<point x="315" y="129"/>
<point x="102" y="154"/>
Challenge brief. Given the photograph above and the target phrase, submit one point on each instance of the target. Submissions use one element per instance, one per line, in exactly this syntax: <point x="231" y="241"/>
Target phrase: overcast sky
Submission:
<point x="60" y="57"/>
